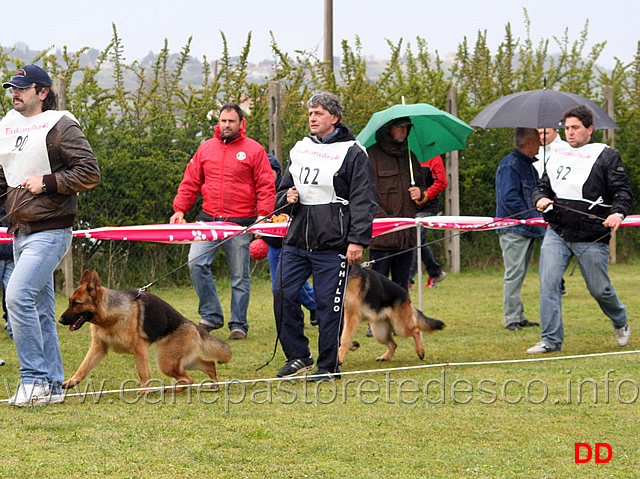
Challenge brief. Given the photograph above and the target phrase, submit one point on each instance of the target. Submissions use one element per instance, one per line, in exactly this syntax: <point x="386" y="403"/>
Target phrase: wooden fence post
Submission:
<point x="66" y="265"/>
<point x="275" y="130"/>
<point x="609" y="138"/>
<point x="452" y="193"/>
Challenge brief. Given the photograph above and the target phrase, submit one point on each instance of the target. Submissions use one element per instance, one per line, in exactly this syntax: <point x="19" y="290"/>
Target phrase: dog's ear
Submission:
<point x="85" y="276"/>
<point x="93" y="284"/>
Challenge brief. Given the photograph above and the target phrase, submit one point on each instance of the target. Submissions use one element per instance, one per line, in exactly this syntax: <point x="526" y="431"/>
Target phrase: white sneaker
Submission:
<point x="27" y="394"/>
<point x="541" y="347"/>
<point x="49" y="399"/>
<point x="623" y="334"/>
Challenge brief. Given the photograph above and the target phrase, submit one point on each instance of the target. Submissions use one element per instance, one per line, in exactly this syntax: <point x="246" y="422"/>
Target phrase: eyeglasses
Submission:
<point x="20" y="90"/>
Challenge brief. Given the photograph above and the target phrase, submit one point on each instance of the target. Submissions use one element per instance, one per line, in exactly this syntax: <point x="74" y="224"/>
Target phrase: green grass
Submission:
<point x="493" y="420"/>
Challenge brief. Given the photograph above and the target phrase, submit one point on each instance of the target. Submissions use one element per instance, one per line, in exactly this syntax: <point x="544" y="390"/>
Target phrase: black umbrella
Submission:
<point x="537" y="109"/>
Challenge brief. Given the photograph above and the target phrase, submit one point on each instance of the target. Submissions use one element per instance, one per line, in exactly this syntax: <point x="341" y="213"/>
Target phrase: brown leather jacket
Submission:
<point x="390" y="162"/>
<point x="74" y="168"/>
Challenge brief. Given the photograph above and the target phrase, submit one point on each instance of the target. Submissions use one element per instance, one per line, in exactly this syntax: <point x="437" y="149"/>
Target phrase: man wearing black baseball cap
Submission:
<point x="45" y="161"/>
<point x="27" y="76"/>
<point x="400" y="188"/>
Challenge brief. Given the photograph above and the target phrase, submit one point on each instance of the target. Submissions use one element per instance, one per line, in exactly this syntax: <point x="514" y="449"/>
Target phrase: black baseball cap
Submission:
<point x="27" y="76"/>
<point x="405" y="120"/>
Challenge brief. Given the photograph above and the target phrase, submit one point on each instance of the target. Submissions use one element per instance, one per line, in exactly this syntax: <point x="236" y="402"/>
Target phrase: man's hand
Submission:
<point x="292" y="195"/>
<point x="33" y="184"/>
<point x="177" y="218"/>
<point x="354" y="253"/>
<point x="543" y="203"/>
<point x="414" y="192"/>
<point x="613" y="221"/>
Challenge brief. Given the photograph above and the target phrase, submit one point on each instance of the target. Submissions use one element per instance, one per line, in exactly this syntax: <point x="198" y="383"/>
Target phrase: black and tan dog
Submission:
<point x="387" y="307"/>
<point x="128" y="323"/>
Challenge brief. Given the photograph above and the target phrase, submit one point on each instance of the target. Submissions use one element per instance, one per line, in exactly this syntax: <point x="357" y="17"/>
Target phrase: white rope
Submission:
<point x="347" y="373"/>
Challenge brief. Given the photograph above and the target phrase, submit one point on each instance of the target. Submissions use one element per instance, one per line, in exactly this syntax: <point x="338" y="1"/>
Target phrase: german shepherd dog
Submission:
<point x="128" y="323"/>
<point x="371" y="296"/>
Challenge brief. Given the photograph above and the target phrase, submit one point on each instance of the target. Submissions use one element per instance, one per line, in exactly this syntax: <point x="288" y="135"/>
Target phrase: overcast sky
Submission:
<point x="298" y="24"/>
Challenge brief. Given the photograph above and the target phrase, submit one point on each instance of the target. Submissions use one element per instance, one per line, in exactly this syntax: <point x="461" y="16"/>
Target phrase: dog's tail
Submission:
<point x="214" y="348"/>
<point x="427" y="324"/>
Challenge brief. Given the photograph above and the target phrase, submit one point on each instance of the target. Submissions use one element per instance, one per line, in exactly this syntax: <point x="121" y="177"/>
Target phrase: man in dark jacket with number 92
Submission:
<point x="584" y="194"/>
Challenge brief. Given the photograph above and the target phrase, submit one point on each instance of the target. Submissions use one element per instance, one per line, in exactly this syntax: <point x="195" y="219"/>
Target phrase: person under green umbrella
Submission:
<point x="400" y="187"/>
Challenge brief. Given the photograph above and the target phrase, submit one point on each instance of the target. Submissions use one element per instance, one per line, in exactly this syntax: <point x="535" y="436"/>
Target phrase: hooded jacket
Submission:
<point x="234" y="177"/>
<point x="74" y="168"/>
<point x="390" y="162"/>
<point x="334" y="225"/>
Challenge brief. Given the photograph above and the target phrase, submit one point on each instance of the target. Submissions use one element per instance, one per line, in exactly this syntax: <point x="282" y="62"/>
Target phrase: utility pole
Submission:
<point x="328" y="33"/>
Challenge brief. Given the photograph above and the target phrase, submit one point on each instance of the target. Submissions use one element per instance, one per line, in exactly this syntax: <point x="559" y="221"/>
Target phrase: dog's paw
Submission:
<point x="382" y="358"/>
<point x="354" y="345"/>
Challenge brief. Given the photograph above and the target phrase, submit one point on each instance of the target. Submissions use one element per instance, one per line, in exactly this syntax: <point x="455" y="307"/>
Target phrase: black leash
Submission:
<point x="281" y="308"/>
<point x="16" y="208"/>
<point x="590" y="216"/>
<point x="367" y="264"/>
<point x="217" y="245"/>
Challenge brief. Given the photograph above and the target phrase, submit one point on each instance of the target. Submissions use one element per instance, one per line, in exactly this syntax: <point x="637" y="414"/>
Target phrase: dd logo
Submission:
<point x="590" y="453"/>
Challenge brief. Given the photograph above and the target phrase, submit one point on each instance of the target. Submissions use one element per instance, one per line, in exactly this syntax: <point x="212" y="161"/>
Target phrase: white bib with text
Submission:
<point x="569" y="168"/>
<point x="23" y="145"/>
<point x="313" y="166"/>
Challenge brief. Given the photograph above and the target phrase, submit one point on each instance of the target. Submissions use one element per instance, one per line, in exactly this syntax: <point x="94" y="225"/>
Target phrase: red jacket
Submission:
<point x="235" y="179"/>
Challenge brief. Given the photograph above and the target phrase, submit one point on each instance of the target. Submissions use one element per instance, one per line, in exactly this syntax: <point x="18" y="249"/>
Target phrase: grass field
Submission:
<point x="500" y="420"/>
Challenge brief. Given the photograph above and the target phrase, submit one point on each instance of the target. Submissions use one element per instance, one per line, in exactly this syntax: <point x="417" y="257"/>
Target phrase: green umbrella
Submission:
<point x="434" y="131"/>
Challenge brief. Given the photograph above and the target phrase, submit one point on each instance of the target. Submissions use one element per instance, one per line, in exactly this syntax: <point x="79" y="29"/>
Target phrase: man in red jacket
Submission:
<point x="233" y="174"/>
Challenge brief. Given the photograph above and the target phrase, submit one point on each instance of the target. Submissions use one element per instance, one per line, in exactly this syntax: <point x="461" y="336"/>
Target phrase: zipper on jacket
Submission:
<point x="221" y="211"/>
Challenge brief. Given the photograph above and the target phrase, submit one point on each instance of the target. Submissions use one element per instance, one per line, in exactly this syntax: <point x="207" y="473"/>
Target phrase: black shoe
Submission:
<point x="369" y="333"/>
<point x="295" y="366"/>
<point x="312" y="318"/>
<point x="513" y="326"/>
<point x="208" y="328"/>
<point x="322" y="375"/>
<point x="525" y="323"/>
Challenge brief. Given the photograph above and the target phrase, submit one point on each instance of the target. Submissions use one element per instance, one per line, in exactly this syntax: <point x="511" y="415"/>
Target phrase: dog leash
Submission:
<point x="217" y="245"/>
<point x="367" y="264"/>
<point x="590" y="216"/>
<point x="21" y="205"/>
